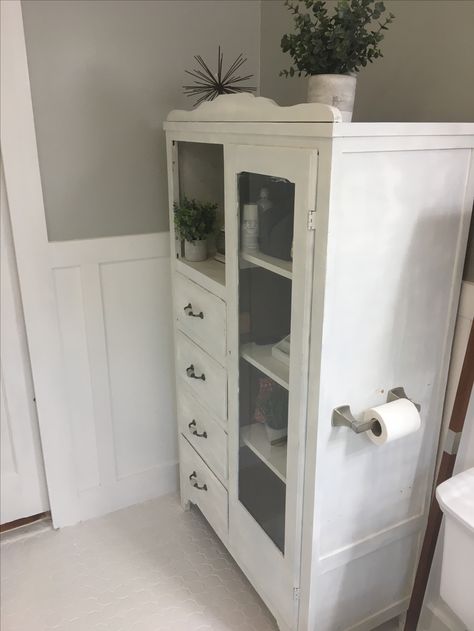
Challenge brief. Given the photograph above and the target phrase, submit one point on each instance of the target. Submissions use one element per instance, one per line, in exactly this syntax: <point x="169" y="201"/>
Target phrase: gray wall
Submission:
<point x="103" y="76"/>
<point x="426" y="74"/>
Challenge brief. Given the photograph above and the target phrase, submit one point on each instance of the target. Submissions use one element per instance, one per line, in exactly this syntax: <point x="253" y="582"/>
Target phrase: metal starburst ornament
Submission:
<point x="208" y="85"/>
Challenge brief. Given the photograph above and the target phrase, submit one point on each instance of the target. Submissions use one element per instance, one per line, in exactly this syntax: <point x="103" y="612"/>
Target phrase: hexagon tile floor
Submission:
<point x="151" y="567"/>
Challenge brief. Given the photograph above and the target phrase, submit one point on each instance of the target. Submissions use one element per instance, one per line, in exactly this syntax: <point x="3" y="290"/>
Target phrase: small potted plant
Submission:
<point x="331" y="47"/>
<point x="194" y="222"/>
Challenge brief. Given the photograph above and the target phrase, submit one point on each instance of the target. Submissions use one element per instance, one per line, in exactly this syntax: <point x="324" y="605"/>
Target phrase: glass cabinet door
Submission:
<point x="266" y="206"/>
<point x="269" y="282"/>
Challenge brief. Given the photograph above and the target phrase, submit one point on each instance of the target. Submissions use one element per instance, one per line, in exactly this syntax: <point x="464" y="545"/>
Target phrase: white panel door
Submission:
<point x="23" y="488"/>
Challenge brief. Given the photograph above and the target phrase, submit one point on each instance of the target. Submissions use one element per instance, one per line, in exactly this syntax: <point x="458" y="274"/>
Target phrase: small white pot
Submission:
<point x="334" y="89"/>
<point x="195" y="250"/>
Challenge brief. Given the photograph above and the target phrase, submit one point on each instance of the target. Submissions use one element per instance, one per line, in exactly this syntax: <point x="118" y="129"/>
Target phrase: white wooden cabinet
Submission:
<point x="326" y="525"/>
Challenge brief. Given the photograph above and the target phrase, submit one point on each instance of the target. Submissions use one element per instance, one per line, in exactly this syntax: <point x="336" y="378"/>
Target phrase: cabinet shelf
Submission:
<point x="209" y="273"/>
<point x="274" y="456"/>
<point x="261" y="357"/>
<point x="271" y="263"/>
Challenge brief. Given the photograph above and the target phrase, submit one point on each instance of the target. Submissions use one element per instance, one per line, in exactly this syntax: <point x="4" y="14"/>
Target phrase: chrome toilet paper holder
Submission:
<point x="343" y="417"/>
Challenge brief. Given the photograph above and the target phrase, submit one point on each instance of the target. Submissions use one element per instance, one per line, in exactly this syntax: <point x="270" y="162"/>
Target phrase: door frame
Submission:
<point x="23" y="484"/>
<point x="25" y="199"/>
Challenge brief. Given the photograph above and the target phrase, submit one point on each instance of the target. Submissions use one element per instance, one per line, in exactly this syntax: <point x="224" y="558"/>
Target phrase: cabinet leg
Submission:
<point x="185" y="504"/>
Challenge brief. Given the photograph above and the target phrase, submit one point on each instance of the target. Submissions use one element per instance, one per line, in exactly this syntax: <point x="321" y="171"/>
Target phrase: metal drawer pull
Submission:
<point x="195" y="432"/>
<point x="192" y="477"/>
<point x="188" y="310"/>
<point x="343" y="417"/>
<point x="192" y="375"/>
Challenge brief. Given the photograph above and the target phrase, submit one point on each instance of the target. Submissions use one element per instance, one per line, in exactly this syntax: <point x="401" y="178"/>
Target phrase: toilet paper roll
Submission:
<point x="394" y="420"/>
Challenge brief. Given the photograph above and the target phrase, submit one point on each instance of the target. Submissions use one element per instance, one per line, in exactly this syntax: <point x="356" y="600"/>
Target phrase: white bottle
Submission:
<point x="250" y="227"/>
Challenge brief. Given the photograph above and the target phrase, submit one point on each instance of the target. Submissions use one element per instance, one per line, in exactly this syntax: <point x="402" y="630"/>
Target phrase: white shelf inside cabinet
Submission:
<point x="209" y="274"/>
<point x="271" y="263"/>
<point x="274" y="456"/>
<point x="261" y="357"/>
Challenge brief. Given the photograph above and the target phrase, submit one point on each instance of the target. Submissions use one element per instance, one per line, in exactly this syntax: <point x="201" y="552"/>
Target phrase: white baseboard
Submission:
<point x="140" y="488"/>
<point x="438" y="617"/>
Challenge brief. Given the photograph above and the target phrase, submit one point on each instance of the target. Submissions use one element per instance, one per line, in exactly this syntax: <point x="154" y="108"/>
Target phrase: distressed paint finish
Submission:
<point x="376" y="285"/>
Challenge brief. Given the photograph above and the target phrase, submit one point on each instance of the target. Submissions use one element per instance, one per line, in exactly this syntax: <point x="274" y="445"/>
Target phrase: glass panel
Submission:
<point x="265" y="270"/>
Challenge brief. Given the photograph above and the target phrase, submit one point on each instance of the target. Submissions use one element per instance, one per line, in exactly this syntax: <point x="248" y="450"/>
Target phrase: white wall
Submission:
<point x="104" y="74"/>
<point x="114" y="314"/>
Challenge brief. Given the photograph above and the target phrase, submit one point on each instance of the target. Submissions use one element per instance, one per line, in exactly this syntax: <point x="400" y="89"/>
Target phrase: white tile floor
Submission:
<point x="150" y="567"/>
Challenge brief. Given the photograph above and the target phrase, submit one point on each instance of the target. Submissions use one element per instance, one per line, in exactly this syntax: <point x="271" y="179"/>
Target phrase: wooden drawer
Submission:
<point x="203" y="432"/>
<point x="201" y="487"/>
<point x="202" y="374"/>
<point x="201" y="315"/>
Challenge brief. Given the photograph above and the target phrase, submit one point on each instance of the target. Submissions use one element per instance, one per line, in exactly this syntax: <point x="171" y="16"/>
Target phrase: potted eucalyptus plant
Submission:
<point x="330" y="46"/>
<point x="194" y="222"/>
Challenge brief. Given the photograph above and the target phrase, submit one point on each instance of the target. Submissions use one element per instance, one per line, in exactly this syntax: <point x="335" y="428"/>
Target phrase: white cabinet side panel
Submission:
<point x="396" y="237"/>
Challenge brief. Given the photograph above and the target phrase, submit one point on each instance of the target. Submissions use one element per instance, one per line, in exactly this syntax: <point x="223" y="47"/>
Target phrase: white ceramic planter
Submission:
<point x="333" y="89"/>
<point x="195" y="250"/>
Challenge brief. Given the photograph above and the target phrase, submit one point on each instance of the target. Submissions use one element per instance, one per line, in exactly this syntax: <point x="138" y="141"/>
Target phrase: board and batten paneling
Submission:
<point x="113" y="300"/>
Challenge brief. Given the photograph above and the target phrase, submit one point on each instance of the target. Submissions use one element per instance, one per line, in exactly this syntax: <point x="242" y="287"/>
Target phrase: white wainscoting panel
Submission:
<point x="113" y="300"/>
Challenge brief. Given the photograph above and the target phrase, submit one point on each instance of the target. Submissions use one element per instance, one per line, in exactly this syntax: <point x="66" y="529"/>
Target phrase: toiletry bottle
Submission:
<point x="250" y="227"/>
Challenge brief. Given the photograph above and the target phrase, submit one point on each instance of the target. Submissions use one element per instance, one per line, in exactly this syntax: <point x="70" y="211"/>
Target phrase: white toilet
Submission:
<point x="456" y="498"/>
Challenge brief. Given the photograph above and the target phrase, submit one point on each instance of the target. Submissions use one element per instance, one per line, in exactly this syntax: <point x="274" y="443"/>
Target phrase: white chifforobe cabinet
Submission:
<point x="350" y="239"/>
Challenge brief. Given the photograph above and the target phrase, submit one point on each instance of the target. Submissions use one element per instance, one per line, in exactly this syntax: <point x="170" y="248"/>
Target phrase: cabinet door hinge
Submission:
<point x="312" y="220"/>
<point x="296" y="594"/>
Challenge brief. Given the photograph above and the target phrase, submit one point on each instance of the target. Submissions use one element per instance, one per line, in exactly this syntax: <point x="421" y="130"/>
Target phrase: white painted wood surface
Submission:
<point x="211" y="497"/>
<point x="23" y="486"/>
<point x="377" y="296"/>
<point x="278" y="266"/>
<point x="396" y="227"/>
<point x="210" y="381"/>
<point x="261" y="357"/>
<point x="274" y="456"/>
<point x="247" y="107"/>
<point x="25" y="199"/>
<point x="213" y="271"/>
<point x="275" y="575"/>
<point x="204" y="320"/>
<point x="203" y="431"/>
<point x="114" y="311"/>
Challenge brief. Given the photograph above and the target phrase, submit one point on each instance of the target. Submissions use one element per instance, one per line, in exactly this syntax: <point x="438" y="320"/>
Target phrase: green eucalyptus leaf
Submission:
<point x="339" y="41"/>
